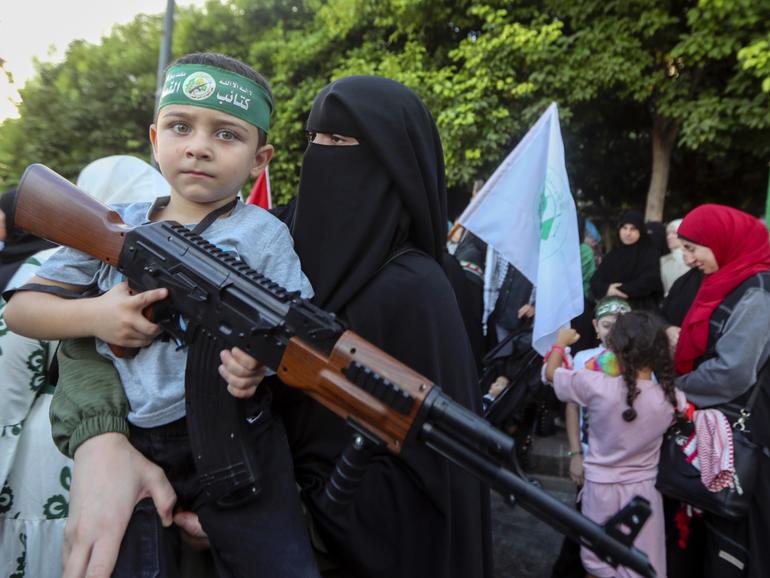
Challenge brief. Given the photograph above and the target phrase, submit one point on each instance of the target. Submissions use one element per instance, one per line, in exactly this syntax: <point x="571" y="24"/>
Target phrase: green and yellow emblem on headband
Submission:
<point x="212" y="87"/>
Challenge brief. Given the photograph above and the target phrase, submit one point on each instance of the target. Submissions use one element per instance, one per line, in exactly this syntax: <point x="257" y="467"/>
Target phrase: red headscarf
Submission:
<point x="741" y="247"/>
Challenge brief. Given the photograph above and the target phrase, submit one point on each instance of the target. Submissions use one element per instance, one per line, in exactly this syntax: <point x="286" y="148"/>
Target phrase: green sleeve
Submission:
<point x="588" y="267"/>
<point x="89" y="399"/>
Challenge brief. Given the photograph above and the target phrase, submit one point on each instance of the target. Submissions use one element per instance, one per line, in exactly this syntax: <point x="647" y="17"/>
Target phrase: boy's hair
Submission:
<point x="226" y="63"/>
<point x="639" y="340"/>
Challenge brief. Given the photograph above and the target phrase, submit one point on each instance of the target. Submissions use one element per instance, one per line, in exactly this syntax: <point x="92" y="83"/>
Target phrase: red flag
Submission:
<point x="260" y="194"/>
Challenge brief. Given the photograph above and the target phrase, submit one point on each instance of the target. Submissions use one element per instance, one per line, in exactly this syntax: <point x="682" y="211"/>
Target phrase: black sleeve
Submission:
<point x="648" y="282"/>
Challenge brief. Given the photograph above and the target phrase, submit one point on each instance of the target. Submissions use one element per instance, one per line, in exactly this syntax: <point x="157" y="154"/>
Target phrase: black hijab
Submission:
<point x="19" y="245"/>
<point x="636" y="266"/>
<point x="369" y="229"/>
<point x="343" y="236"/>
<point x="656" y="231"/>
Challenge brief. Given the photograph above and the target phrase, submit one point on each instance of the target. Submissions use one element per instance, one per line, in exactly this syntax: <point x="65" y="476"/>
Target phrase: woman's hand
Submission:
<point x="191" y="530"/>
<point x="241" y="371"/>
<point x="614" y="291"/>
<point x="672" y="332"/>
<point x="526" y="311"/>
<point x="110" y="476"/>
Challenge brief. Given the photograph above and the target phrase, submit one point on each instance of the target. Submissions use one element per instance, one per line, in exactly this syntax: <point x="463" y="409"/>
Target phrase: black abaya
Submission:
<point x="636" y="267"/>
<point x="370" y="228"/>
<point x="680" y="297"/>
<point x="415" y="515"/>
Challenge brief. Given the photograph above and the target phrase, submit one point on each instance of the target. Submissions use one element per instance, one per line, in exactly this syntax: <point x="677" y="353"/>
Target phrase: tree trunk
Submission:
<point x="664" y="133"/>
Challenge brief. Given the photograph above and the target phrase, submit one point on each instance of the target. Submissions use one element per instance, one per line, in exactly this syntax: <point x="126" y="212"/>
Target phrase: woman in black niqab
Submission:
<point x="369" y="228"/>
<point x="634" y="266"/>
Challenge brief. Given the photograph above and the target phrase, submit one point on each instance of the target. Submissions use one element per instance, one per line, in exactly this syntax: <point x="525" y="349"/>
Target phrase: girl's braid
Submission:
<point x="639" y="340"/>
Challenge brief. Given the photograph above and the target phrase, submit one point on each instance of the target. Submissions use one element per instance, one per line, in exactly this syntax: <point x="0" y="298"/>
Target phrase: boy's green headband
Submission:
<point x="611" y="307"/>
<point x="212" y="87"/>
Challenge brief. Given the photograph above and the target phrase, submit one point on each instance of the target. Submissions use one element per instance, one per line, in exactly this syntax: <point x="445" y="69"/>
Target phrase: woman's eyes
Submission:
<point x="330" y="139"/>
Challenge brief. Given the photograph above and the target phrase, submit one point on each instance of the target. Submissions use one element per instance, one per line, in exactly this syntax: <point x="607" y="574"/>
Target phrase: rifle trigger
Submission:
<point x="198" y="294"/>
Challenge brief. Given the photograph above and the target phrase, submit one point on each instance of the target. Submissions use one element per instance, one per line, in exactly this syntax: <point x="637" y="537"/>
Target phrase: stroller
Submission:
<point x="525" y="404"/>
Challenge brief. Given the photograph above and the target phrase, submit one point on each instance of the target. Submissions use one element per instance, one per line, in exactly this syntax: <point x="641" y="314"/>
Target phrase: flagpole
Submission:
<point x="164" y="55"/>
<point x="767" y="199"/>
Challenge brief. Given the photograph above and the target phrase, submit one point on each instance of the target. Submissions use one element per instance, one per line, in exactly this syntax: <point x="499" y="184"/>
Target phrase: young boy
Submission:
<point x="209" y="137"/>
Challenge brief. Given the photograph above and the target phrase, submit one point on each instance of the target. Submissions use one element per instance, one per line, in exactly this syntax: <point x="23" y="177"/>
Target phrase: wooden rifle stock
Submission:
<point x="51" y="207"/>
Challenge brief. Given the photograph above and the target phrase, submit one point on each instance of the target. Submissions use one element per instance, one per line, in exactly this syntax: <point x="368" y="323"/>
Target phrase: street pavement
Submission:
<point x="524" y="546"/>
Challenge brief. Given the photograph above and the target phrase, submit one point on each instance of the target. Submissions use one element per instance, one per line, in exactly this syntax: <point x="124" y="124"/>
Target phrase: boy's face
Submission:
<point x="206" y="155"/>
<point x="604" y="325"/>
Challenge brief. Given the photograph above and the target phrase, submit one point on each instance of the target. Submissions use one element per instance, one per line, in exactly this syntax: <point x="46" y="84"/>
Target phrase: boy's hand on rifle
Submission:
<point x="119" y="319"/>
<point x="241" y="371"/>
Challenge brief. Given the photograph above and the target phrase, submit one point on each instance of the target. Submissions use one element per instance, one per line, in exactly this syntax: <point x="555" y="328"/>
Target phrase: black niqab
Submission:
<point x="635" y="266"/>
<point x="343" y="236"/>
<point x="369" y="229"/>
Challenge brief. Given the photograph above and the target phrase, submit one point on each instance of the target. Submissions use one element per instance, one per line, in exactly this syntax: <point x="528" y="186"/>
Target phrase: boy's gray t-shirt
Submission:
<point x="154" y="378"/>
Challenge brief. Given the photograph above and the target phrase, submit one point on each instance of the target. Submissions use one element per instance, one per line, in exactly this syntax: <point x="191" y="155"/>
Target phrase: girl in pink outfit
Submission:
<point x="629" y="415"/>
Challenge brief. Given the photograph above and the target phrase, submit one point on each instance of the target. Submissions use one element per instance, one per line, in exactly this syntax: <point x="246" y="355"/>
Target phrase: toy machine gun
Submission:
<point x="384" y="401"/>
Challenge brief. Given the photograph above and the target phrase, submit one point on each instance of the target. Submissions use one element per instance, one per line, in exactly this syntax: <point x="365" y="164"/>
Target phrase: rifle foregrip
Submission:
<point x="385" y="399"/>
<point x="348" y="473"/>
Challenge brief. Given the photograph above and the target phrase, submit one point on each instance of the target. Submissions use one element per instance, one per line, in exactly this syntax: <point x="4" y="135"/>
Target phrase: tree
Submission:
<point x="675" y="62"/>
<point x="97" y="102"/>
<point x="655" y="97"/>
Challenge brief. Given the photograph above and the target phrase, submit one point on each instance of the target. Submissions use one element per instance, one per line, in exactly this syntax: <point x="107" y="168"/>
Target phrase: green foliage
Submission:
<point x="756" y="59"/>
<point x="486" y="68"/>
<point x="97" y="102"/>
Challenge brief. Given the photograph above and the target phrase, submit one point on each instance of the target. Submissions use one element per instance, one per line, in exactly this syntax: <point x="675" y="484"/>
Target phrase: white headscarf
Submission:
<point x="122" y="179"/>
<point x="677" y="253"/>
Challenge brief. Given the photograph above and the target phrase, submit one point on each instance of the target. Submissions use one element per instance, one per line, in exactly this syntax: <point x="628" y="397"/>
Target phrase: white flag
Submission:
<point x="526" y="212"/>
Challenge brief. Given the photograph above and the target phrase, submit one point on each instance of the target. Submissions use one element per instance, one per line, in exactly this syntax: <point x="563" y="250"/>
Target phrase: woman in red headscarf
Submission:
<point x="723" y="347"/>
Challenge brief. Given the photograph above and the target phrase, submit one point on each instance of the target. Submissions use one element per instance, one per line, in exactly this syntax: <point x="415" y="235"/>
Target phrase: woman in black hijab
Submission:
<point x="632" y="269"/>
<point x="19" y="245"/>
<point x="370" y="228"/>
